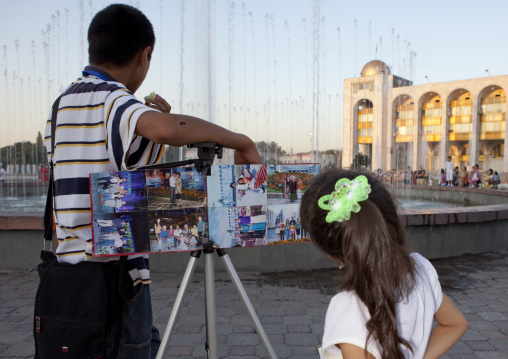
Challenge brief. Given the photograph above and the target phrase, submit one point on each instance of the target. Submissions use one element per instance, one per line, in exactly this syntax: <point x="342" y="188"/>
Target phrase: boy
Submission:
<point x="102" y="127"/>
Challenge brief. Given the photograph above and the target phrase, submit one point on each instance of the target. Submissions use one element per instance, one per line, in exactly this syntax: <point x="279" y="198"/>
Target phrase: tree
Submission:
<point x="19" y="153"/>
<point x="40" y="150"/>
<point x="270" y="152"/>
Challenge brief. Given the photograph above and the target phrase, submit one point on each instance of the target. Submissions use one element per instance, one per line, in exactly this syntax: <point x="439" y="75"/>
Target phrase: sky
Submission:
<point x="271" y="69"/>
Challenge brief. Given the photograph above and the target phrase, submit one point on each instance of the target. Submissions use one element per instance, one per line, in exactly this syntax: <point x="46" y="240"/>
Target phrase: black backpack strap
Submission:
<point x="48" y="213"/>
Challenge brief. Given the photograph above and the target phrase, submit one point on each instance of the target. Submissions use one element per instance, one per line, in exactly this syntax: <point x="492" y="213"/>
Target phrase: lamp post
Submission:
<point x="311" y="148"/>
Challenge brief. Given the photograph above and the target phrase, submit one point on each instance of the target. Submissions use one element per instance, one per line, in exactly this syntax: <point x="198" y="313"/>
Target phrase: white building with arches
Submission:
<point x="397" y="124"/>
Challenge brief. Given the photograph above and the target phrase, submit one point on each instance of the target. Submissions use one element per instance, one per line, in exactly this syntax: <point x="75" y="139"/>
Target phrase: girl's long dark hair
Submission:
<point x="375" y="249"/>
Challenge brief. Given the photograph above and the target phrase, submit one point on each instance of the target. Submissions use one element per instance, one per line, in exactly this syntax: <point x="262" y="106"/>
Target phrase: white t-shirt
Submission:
<point x="347" y="315"/>
<point x="118" y="243"/>
<point x="449" y="170"/>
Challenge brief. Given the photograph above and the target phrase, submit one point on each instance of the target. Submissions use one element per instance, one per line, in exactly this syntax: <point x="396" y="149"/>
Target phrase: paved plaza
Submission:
<point x="291" y="307"/>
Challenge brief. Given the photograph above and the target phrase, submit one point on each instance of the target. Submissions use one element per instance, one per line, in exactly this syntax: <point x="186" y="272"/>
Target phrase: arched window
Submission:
<point x="461" y="123"/>
<point x="404" y="121"/>
<point x="365" y="118"/>
<point x="493" y="116"/>
<point x="431" y="120"/>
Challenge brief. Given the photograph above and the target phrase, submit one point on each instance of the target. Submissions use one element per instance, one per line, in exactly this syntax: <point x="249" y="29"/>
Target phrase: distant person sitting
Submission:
<point x="495" y="180"/>
<point x="486" y="176"/>
<point x="408" y="176"/>
<point x="419" y="174"/>
<point x="443" y="181"/>
<point x="456" y="172"/>
<point x="475" y="177"/>
<point x="490" y="178"/>
<point x="163" y="238"/>
<point x="463" y="180"/>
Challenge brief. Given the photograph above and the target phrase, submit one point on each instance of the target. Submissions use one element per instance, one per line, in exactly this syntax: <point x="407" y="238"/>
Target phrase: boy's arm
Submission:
<point x="179" y="130"/>
<point x="451" y="325"/>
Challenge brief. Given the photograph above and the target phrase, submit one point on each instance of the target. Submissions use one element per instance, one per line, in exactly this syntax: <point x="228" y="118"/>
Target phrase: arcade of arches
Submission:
<point x="429" y="128"/>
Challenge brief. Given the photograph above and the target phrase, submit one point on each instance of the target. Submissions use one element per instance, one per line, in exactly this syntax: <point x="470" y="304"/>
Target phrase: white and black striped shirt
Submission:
<point x="95" y="127"/>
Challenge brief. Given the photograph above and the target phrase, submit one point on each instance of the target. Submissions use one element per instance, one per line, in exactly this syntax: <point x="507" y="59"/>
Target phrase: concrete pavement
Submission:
<point x="291" y="307"/>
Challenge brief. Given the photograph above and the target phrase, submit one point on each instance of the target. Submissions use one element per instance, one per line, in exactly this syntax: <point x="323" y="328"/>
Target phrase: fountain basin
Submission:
<point x="435" y="233"/>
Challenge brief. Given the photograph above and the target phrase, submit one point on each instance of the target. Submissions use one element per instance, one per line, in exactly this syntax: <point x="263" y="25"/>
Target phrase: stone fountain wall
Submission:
<point x="435" y="233"/>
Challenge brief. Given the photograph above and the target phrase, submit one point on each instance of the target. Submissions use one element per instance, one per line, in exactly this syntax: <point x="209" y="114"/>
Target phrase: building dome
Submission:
<point x="375" y="67"/>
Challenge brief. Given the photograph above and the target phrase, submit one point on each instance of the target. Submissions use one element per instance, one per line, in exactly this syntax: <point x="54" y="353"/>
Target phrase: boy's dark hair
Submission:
<point x="117" y="33"/>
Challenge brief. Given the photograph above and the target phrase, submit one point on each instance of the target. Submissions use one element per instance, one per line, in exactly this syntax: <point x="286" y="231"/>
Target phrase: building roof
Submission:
<point x="375" y="67"/>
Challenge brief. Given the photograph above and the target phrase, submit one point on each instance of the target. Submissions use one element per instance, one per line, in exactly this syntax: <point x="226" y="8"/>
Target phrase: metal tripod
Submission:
<point x="211" y="331"/>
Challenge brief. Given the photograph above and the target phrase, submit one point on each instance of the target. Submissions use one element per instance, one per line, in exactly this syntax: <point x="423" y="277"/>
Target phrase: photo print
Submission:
<point x="116" y="192"/>
<point x="181" y="187"/>
<point x="243" y="226"/>
<point x="120" y="233"/>
<point x="284" y="224"/>
<point x="177" y="230"/>
<point x="178" y="209"/>
<point x="287" y="183"/>
<point x="237" y="185"/>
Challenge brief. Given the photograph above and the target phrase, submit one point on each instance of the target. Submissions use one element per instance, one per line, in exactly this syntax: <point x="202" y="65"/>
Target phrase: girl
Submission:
<point x="194" y="231"/>
<point x="292" y="227"/>
<point x="178" y="189"/>
<point x="443" y="178"/>
<point x="277" y="228"/>
<point x="157" y="229"/>
<point x="299" y="186"/>
<point x="466" y="178"/>
<point x="282" y="230"/>
<point x="287" y="188"/>
<point x="390" y="296"/>
<point x="171" y="239"/>
<point x="298" y="228"/>
<point x="496" y="180"/>
<point x="462" y="177"/>
<point x="475" y="177"/>
<point x="186" y="232"/>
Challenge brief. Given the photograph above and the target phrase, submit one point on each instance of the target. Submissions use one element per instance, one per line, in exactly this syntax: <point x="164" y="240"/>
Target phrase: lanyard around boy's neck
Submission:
<point x="96" y="74"/>
<point x="89" y="70"/>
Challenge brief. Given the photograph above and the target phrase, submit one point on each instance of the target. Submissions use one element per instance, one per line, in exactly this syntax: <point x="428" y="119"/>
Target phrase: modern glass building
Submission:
<point x="397" y="124"/>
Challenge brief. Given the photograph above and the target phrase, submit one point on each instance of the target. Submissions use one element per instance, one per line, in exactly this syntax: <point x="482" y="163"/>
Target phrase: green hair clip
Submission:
<point x="345" y="198"/>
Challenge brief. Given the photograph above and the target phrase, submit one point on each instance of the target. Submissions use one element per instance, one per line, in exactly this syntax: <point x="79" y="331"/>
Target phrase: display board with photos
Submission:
<point x="179" y="209"/>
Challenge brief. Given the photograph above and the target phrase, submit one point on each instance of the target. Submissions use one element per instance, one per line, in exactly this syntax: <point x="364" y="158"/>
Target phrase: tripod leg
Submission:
<point x="246" y="302"/>
<point x="211" y="322"/>
<point x="163" y="348"/>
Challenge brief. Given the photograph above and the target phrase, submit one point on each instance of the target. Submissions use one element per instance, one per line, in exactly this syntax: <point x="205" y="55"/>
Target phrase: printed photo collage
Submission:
<point x="178" y="209"/>
<point x="148" y="211"/>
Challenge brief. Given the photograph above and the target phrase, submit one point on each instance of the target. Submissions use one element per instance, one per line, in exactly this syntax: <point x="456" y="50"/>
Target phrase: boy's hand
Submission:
<point x="248" y="156"/>
<point x="159" y="103"/>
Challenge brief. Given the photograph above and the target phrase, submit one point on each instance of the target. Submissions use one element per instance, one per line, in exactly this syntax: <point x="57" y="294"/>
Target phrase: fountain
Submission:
<point x="275" y="75"/>
<point x="214" y="74"/>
